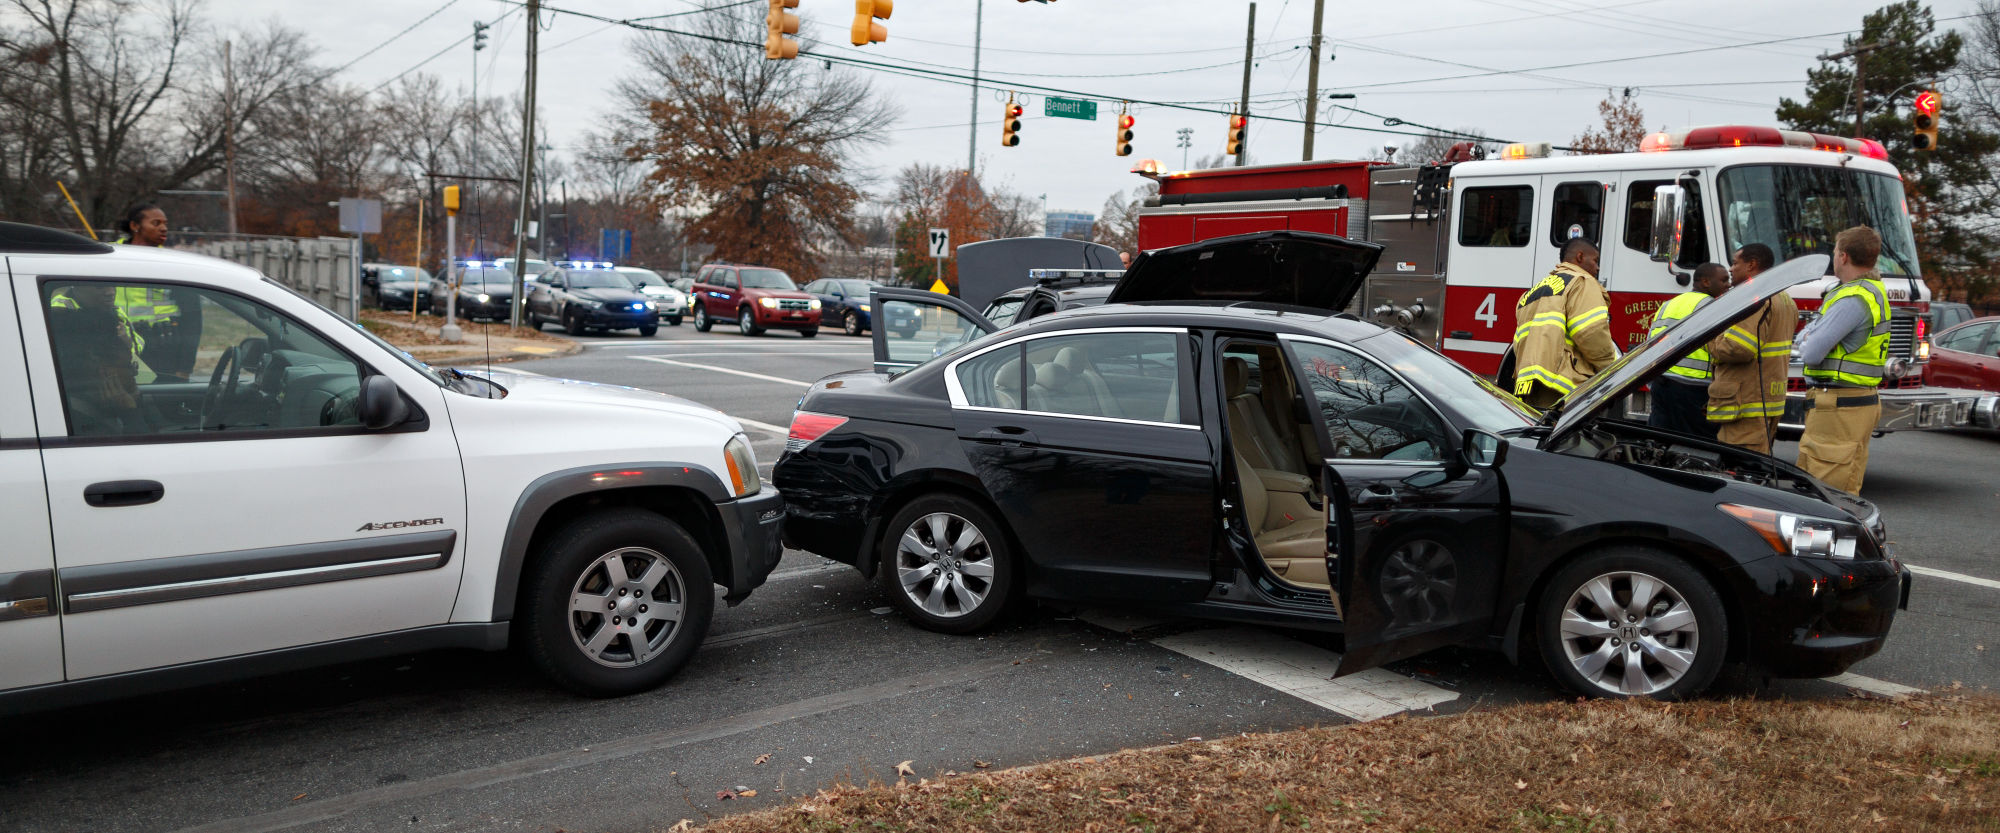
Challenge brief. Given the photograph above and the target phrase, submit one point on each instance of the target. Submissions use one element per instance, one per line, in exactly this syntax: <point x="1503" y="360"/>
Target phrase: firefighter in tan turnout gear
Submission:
<point x="1562" y="329"/>
<point x="1747" y="395"/>
<point x="1844" y="351"/>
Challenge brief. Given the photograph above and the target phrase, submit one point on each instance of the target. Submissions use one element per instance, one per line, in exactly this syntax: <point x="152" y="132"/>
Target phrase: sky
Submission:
<point x="1428" y="63"/>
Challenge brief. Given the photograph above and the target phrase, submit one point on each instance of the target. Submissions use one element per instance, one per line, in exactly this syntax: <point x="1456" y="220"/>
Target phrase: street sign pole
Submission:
<point x="450" y="331"/>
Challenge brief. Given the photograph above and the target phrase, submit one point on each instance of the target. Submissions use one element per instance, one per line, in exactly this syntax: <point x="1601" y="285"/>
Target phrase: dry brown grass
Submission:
<point x="397" y="328"/>
<point x="1915" y="764"/>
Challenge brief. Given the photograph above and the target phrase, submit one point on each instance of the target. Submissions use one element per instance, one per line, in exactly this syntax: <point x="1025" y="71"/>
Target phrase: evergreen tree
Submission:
<point x="1946" y="206"/>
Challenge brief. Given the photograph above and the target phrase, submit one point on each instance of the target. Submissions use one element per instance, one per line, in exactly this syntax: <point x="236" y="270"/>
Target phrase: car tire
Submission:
<point x="850" y="323"/>
<point x="961" y="586"/>
<point x="1674" y="625"/>
<point x="647" y="330"/>
<point x="582" y="650"/>
<point x="674" y="321"/>
<point x="809" y="332"/>
<point x="573" y="323"/>
<point x="701" y="322"/>
<point x="746" y="323"/>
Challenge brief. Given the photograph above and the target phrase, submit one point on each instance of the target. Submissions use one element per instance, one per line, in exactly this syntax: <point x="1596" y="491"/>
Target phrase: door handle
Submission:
<point x="112" y="493"/>
<point x="1009" y="435"/>
<point x="1376" y="495"/>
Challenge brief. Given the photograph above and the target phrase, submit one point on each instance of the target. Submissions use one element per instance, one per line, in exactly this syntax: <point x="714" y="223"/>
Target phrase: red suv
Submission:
<point x="758" y="298"/>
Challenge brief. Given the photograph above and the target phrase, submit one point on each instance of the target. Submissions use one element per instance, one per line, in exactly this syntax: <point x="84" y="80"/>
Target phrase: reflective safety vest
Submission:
<point x="137" y="341"/>
<point x="1693" y="367"/>
<point x="1861" y="367"/>
<point x="149" y="305"/>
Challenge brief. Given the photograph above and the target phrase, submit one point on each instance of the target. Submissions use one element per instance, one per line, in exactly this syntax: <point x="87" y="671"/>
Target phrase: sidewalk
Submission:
<point x="496" y="343"/>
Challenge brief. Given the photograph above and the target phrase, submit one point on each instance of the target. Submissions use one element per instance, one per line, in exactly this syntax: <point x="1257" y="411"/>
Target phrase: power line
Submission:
<point x="392" y="39"/>
<point x="439" y="54"/>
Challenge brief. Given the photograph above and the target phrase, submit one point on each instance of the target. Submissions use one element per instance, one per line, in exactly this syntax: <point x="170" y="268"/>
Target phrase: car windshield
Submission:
<point x="765" y="279"/>
<point x="598" y="280"/>
<point x="1797" y="210"/>
<point x="1484" y="405"/>
<point x="401" y="274"/>
<point x="856" y="288"/>
<point x="642" y="277"/>
<point x="1002" y="311"/>
<point x="487" y="277"/>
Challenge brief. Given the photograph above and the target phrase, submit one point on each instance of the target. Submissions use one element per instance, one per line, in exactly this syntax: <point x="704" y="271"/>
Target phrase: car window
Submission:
<point x="1966" y="339"/>
<point x="1496" y="216"/>
<point x="1577" y="210"/>
<point x="1002" y="311"/>
<point x="1639" y="214"/>
<point x="148" y="359"/>
<point x="993" y="379"/>
<point x="1370" y="413"/>
<point x="1116" y="375"/>
<point x="816" y="286"/>
<point x="915" y="332"/>
<point x="856" y="289"/>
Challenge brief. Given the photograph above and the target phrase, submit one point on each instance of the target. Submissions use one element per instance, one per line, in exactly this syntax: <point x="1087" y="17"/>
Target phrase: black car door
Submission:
<point x="913" y="326"/>
<point x="1096" y="459"/>
<point x="1416" y="535"/>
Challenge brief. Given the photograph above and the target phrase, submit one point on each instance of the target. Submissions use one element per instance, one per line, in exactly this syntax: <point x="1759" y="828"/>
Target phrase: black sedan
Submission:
<point x="1216" y="442"/>
<point x="844" y="300"/>
<point x="482" y="292"/>
<point x="584" y="298"/>
<point x="397" y="287"/>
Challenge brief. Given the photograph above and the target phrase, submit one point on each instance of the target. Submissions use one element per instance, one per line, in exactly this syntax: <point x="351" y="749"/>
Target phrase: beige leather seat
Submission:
<point x="1290" y="534"/>
<point x="1004" y="380"/>
<point x="1250" y="427"/>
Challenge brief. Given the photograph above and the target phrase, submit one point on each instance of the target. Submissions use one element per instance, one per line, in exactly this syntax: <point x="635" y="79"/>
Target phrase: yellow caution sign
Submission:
<point x="938" y="287"/>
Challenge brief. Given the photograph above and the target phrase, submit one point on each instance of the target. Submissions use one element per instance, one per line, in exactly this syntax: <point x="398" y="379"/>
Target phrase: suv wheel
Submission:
<point x="947" y="564"/>
<point x="616" y="602"/>
<point x="809" y="332"/>
<point x="701" y="322"/>
<point x="746" y="321"/>
<point x="1632" y="622"/>
<point x="850" y="323"/>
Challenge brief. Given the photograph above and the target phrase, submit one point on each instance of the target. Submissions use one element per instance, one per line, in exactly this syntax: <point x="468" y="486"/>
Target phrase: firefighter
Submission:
<point x="1680" y="398"/>
<point x="1562" y="329"/>
<point x="1747" y="395"/>
<point x="1844" y="351"/>
<point x="166" y="322"/>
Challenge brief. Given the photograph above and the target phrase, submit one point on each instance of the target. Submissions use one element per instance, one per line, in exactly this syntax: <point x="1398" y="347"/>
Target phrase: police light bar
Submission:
<point x="1738" y="135"/>
<point x="1526" y="150"/>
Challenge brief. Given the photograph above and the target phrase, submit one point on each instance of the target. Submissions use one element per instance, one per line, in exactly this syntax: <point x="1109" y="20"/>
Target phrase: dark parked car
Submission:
<point x="1966" y="356"/>
<point x="844" y="300"/>
<point x="393" y="286"/>
<point x="582" y="298"/>
<point x="1948" y="314"/>
<point x="484" y="291"/>
<point x="1215" y="441"/>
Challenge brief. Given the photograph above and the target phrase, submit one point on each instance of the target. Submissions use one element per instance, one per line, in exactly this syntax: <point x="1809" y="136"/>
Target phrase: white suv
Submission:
<point x="205" y="475"/>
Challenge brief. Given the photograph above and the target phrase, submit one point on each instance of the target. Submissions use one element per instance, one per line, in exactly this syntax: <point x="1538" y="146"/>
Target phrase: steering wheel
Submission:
<point x="221" y="387"/>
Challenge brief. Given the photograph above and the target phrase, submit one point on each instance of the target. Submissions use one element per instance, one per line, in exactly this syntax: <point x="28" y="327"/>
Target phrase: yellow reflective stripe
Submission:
<point x="1776" y="348"/>
<point x="1741" y="336"/>
<point x="1587" y="319"/>
<point x="1536" y="373"/>
<point x="1538" y="321"/>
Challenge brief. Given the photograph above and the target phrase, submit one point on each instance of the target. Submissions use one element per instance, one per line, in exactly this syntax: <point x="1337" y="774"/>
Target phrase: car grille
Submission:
<point x="794" y="304"/>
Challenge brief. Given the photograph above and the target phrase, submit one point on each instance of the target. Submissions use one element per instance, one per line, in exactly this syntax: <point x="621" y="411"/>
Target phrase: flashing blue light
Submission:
<point x="604" y="264"/>
<point x="395" y="271"/>
<point x="638" y="306"/>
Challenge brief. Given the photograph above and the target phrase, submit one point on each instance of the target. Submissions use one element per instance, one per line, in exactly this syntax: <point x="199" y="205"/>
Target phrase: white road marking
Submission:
<point x="802" y="572"/>
<point x="765" y="427"/>
<point x="1306" y="672"/>
<point x="1951" y="576"/>
<point x="1872" y="685"/>
<point x="730" y="371"/>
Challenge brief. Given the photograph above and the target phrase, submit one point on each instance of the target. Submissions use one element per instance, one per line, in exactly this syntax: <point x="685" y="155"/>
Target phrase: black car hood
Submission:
<point x="610" y="294"/>
<point x="1298" y="268"/>
<point x="1626" y="375"/>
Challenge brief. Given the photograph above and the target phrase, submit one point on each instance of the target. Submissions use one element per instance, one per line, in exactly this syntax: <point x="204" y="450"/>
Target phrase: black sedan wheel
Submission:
<point x="1632" y="622"/>
<point x="616" y="603"/>
<point x="850" y="323"/>
<point x="573" y="323"/>
<point x="947" y="564"/>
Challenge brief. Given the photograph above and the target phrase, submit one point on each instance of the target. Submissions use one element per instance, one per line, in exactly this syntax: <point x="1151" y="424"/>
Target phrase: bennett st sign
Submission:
<point x="1069" y="108"/>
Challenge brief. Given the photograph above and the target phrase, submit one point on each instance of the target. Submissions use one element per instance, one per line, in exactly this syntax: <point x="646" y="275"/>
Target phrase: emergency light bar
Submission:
<point x="1735" y="136"/>
<point x="1525" y="150"/>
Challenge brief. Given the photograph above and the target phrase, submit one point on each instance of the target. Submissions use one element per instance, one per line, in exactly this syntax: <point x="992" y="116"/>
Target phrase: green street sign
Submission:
<point x="1070" y="108"/>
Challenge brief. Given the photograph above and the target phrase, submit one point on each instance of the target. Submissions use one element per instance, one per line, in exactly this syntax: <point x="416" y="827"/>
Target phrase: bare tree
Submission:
<point x="1623" y="129"/>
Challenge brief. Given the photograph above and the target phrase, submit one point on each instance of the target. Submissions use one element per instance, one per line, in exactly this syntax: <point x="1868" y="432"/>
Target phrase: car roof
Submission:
<point x="1273" y="318"/>
<point x="166" y="261"/>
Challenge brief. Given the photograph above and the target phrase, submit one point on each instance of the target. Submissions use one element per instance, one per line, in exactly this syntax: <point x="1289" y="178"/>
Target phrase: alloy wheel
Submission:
<point x="851" y="323"/>
<point x="1629" y="633"/>
<point x="945" y="565"/>
<point x="627" y="607"/>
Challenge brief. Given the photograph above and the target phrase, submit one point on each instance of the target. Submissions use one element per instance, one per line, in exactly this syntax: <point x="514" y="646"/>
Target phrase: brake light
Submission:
<point x="1732" y="136"/>
<point x="808" y="426"/>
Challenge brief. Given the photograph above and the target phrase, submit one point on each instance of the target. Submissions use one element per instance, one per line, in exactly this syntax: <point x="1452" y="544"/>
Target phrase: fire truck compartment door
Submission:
<point x="1298" y="268"/>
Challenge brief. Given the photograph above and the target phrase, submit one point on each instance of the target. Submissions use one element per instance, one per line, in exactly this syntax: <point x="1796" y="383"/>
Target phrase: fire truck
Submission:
<point x="1466" y="235"/>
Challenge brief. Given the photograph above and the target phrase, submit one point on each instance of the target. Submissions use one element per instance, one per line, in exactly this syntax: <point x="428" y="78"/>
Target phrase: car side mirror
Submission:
<point x="1669" y="218"/>
<point x="381" y="404"/>
<point x="1483" y="449"/>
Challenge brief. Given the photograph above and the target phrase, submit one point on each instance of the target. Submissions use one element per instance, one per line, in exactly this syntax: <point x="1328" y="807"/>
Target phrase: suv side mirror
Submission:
<point x="1483" y="449"/>
<point x="1670" y="204"/>
<point x="381" y="404"/>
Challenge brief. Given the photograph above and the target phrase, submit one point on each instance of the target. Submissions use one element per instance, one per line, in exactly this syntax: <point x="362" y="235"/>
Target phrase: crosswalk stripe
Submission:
<point x="1306" y="672"/>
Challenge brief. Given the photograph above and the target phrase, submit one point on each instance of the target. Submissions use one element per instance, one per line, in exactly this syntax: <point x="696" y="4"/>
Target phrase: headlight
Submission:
<point x="1798" y="535"/>
<point x="867" y="308"/>
<point x="767" y="303"/>
<point x="742" y="467"/>
<point x="483" y="297"/>
<point x="643" y="305"/>
<point x="812" y="304"/>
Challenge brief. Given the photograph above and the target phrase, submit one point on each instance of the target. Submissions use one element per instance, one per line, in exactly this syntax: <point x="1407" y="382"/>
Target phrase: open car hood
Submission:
<point x="1298" y="268"/>
<point x="1652" y="359"/>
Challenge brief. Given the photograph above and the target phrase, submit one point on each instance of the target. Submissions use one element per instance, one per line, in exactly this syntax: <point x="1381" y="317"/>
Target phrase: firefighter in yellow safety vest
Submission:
<point x="1679" y="400"/>
<point x="167" y="329"/>
<point x="1747" y="395"/>
<point x="1844" y="351"/>
<point x="1562" y="329"/>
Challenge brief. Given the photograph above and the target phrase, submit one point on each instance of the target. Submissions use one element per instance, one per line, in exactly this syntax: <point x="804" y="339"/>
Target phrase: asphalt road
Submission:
<point x="815" y="672"/>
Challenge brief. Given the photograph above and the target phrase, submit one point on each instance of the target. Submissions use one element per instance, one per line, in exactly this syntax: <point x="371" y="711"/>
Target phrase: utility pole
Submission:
<point x="972" y="141"/>
<point x="527" y="164"/>
<point x="1859" y="52"/>
<point x="229" y="132"/>
<point x="1243" y="107"/>
<point x="1312" y="79"/>
<point x="1186" y="135"/>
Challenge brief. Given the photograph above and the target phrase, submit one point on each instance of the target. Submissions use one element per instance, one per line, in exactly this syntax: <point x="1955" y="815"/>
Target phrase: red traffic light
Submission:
<point x="1014" y="111"/>
<point x="1125" y="121"/>
<point x="1237" y="121"/>
<point x="1927" y="103"/>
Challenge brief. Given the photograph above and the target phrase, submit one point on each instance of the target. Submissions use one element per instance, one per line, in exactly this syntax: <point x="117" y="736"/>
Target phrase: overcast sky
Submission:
<point x="1171" y="51"/>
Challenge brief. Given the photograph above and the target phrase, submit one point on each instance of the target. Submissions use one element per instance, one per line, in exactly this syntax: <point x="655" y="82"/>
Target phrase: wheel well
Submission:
<point x="888" y="505"/>
<point x="683" y="506"/>
<point x="1738" y="636"/>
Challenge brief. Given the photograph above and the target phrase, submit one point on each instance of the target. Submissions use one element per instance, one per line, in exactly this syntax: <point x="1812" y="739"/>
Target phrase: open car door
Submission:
<point x="913" y="326"/>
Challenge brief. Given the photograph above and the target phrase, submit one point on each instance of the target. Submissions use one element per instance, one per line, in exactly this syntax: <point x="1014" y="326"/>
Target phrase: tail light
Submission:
<point x="808" y="426"/>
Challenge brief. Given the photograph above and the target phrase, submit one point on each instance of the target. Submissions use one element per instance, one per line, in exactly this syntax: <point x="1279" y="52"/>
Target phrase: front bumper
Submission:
<point x="1821" y="616"/>
<point x="1914" y="409"/>
<point x="619" y="320"/>
<point x="752" y="530"/>
<point x="496" y="309"/>
<point x="785" y="318"/>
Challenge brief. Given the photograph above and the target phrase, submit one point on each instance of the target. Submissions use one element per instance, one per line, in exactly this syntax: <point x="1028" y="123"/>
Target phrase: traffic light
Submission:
<point x="451" y="200"/>
<point x="1122" y="143"/>
<point x="1924" y="118"/>
<point x="1010" y="124"/>
<point x="478" y="35"/>
<point x="866" y="30"/>
<point x="1239" y="126"/>
<point x="780" y="23"/>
